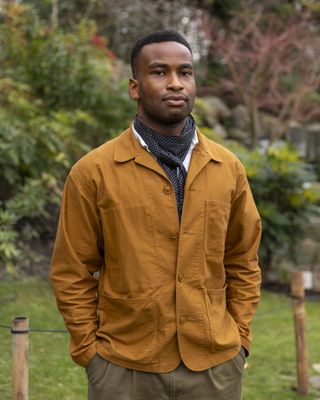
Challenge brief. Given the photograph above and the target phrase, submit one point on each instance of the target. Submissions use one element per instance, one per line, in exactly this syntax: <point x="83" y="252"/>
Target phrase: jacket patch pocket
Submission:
<point x="129" y="326"/>
<point x="215" y="226"/>
<point x="223" y="328"/>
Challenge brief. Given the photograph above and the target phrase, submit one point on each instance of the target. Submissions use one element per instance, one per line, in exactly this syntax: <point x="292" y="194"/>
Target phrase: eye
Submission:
<point x="159" y="72"/>
<point x="186" y="73"/>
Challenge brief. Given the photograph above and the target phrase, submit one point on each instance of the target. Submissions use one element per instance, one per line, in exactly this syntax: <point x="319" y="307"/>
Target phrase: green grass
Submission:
<point x="53" y="376"/>
<point x="271" y="372"/>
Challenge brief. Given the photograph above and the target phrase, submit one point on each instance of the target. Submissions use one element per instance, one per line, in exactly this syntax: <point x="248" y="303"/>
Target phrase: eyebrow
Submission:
<point x="162" y="65"/>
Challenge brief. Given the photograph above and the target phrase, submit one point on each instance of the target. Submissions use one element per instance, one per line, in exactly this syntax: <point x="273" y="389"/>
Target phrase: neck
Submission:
<point x="169" y="129"/>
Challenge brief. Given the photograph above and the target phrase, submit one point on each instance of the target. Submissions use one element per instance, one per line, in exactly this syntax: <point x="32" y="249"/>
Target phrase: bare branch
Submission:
<point x="271" y="65"/>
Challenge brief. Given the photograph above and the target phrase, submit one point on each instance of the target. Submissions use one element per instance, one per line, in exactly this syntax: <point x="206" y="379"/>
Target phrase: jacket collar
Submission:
<point x="129" y="148"/>
<point x="205" y="149"/>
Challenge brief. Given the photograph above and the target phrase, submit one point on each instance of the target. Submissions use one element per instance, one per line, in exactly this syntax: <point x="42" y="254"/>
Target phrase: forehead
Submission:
<point x="164" y="52"/>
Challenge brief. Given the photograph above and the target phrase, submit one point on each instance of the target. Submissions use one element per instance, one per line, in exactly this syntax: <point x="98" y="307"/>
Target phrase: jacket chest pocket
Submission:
<point x="131" y="249"/>
<point x="216" y="220"/>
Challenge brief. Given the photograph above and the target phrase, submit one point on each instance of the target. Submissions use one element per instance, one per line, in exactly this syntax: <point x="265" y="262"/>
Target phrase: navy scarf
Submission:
<point x="170" y="151"/>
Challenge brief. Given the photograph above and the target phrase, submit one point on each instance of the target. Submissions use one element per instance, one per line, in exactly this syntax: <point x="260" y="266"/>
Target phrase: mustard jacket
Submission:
<point x="165" y="292"/>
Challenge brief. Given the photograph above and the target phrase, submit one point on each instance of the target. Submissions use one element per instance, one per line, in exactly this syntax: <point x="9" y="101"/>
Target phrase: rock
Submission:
<point x="315" y="381"/>
<point x="220" y="130"/>
<point x="316" y="367"/>
<point x="298" y="137"/>
<point x="316" y="288"/>
<point x="240" y="135"/>
<point x="287" y="377"/>
<point x="241" y="121"/>
<point x="313" y="128"/>
<point x="203" y="114"/>
<point x="313" y="142"/>
<point x="241" y="118"/>
<point x="306" y="138"/>
<point x="308" y="251"/>
<point x="218" y="107"/>
<point x="210" y="111"/>
<point x="269" y="125"/>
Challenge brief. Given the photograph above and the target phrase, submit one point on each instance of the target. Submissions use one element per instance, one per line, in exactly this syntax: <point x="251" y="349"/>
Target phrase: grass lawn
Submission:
<point x="270" y="373"/>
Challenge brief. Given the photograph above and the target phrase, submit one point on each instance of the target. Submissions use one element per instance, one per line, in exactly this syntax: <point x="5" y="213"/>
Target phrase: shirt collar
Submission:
<point x="194" y="141"/>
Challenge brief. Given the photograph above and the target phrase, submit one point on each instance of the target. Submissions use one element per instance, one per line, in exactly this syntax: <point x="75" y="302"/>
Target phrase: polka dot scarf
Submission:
<point x="170" y="151"/>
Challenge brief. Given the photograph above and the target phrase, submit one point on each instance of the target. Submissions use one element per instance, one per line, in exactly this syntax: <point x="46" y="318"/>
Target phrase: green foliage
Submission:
<point x="8" y="249"/>
<point x="224" y="8"/>
<point x="286" y="194"/>
<point x="221" y="8"/>
<point x="35" y="151"/>
<point x="58" y="99"/>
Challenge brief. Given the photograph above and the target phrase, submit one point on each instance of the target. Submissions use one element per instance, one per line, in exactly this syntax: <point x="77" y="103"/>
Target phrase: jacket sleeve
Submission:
<point x="241" y="258"/>
<point x="78" y="253"/>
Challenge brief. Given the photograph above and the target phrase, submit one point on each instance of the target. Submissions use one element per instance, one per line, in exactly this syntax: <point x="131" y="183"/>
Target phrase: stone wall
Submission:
<point x="234" y="123"/>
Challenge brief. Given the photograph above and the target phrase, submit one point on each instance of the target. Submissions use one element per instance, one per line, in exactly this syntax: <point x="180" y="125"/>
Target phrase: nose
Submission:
<point x="174" y="82"/>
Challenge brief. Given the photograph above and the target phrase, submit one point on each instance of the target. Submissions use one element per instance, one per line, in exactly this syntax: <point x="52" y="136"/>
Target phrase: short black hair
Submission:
<point x="165" y="35"/>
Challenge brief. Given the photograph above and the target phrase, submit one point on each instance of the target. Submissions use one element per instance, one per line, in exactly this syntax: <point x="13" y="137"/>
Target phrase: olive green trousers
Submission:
<point x="107" y="381"/>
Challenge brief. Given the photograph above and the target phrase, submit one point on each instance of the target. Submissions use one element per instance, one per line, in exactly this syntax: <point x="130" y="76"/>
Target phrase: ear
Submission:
<point x="133" y="89"/>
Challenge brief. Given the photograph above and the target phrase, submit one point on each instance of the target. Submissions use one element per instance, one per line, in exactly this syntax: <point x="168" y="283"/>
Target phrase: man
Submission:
<point x="167" y="218"/>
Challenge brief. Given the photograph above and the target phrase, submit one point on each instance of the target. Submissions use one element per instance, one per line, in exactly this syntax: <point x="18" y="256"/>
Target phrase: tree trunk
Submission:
<point x="254" y="124"/>
<point x="54" y="14"/>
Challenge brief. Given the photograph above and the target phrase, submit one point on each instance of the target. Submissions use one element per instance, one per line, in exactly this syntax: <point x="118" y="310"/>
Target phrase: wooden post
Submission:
<point x="20" y="355"/>
<point x="299" y="315"/>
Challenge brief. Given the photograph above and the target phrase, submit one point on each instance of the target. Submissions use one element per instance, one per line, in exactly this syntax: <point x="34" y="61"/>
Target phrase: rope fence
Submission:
<point x="38" y="330"/>
<point x="20" y="334"/>
<point x="259" y="314"/>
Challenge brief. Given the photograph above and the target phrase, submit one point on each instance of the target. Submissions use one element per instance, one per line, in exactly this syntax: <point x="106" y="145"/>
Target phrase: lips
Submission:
<point x="175" y="101"/>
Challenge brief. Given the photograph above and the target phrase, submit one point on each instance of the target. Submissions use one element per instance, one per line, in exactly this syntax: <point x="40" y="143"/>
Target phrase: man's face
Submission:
<point x="164" y="86"/>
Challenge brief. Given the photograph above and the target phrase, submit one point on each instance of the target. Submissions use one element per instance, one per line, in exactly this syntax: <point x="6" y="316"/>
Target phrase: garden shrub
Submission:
<point x="58" y="99"/>
<point x="287" y="196"/>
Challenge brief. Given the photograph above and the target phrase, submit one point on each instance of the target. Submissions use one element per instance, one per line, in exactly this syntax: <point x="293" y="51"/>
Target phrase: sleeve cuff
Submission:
<point x="85" y="358"/>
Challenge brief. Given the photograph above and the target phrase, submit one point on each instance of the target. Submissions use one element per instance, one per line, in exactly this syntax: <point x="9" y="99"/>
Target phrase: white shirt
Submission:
<point x="186" y="161"/>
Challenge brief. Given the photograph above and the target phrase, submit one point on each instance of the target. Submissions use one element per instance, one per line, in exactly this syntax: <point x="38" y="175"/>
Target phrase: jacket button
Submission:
<point x="180" y="277"/>
<point x="182" y="320"/>
<point x="167" y="190"/>
<point x="174" y="235"/>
